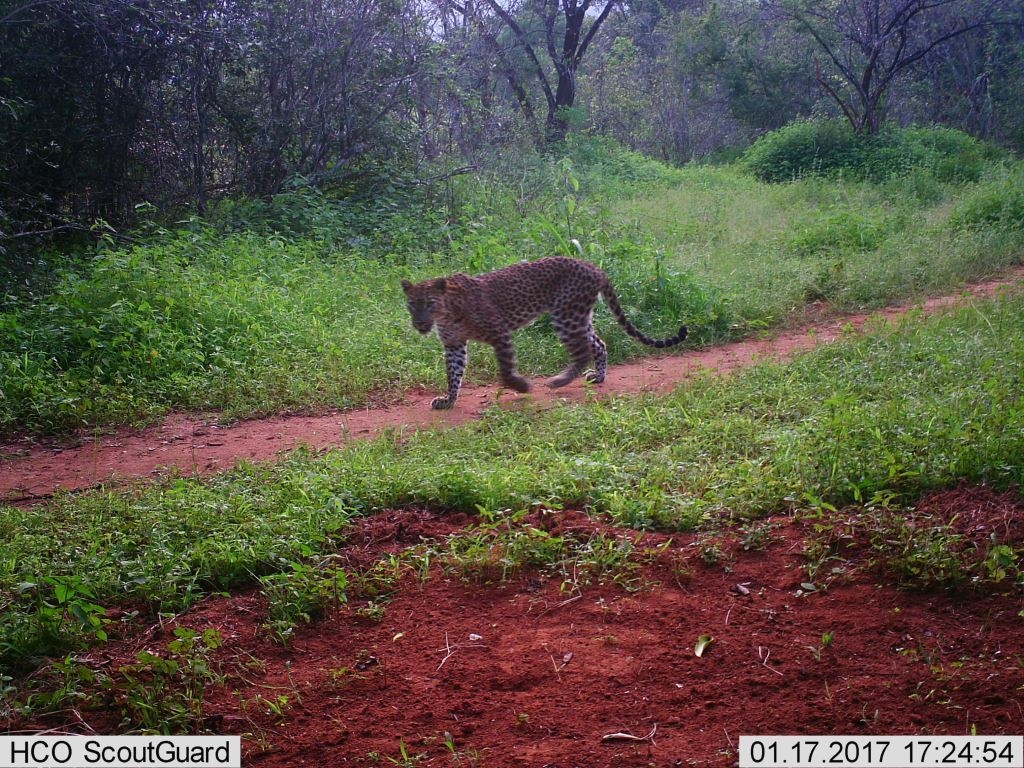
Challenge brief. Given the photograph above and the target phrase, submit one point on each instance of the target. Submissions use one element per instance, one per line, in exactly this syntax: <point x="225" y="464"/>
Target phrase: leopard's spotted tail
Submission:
<point x="612" y="300"/>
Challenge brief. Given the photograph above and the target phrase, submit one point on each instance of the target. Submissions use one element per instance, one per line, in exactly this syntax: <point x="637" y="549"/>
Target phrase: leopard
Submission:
<point x="490" y="306"/>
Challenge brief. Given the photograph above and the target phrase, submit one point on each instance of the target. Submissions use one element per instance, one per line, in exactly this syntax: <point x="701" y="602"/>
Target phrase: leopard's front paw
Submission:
<point x="442" y="403"/>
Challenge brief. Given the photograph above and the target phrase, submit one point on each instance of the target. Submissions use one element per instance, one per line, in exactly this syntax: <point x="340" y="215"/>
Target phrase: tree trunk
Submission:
<point x="565" y="97"/>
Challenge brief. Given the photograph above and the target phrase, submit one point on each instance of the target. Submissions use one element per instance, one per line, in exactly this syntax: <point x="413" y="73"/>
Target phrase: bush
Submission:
<point x="613" y="170"/>
<point x="660" y="298"/>
<point x="381" y="219"/>
<point x="802" y="148"/>
<point x="842" y="230"/>
<point x="996" y="205"/>
<point x="833" y="148"/>
<point x="953" y="156"/>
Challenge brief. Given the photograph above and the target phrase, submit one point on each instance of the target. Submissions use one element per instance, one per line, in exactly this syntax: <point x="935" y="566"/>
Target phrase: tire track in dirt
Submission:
<point x="196" y="444"/>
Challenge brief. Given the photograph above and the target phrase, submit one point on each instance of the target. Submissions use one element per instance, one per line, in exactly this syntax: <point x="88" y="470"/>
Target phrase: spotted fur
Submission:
<point x="490" y="307"/>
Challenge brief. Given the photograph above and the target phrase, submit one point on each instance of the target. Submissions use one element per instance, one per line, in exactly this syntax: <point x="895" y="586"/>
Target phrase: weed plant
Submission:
<point x="165" y="692"/>
<point x="160" y="692"/>
<point x="301" y="594"/>
<point x="887" y="416"/>
<point x="916" y="550"/>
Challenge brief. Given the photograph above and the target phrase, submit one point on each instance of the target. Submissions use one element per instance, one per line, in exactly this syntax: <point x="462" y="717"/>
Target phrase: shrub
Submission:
<point x="661" y="298"/>
<point x="833" y="148"/>
<point x="803" y="148"/>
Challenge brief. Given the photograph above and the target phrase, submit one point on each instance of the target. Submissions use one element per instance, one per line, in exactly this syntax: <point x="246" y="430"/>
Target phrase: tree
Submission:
<point x="323" y="85"/>
<point x="869" y="44"/>
<point x="107" y="104"/>
<point x="77" y="76"/>
<point x="486" y="80"/>
<point x="565" y="28"/>
<point x="974" y="81"/>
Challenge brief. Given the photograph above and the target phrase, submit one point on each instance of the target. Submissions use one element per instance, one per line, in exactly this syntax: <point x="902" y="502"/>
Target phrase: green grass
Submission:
<point x="232" y="323"/>
<point x="294" y="304"/>
<point x="879" y="419"/>
<point x="235" y="325"/>
<point x="768" y="249"/>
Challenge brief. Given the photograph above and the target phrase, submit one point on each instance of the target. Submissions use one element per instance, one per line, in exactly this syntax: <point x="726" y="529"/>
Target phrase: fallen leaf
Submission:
<point x="623" y="736"/>
<point x="702" y="645"/>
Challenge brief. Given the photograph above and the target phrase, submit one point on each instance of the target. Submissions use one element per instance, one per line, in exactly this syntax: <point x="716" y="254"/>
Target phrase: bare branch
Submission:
<point x="524" y="41"/>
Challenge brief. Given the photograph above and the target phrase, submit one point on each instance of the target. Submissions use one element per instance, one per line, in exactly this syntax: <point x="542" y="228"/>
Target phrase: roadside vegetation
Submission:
<point x="293" y="303"/>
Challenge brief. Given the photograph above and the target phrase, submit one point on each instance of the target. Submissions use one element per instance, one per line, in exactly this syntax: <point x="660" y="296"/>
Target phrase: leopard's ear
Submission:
<point x="441" y="284"/>
<point x="406" y="285"/>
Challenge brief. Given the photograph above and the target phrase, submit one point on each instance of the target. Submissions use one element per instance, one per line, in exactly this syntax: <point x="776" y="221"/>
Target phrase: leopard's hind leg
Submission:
<point x="599" y="350"/>
<point x="578" y="337"/>
<point x="505" y="352"/>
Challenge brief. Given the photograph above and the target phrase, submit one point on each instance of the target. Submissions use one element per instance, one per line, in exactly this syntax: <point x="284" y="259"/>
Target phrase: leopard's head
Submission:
<point x="423" y="300"/>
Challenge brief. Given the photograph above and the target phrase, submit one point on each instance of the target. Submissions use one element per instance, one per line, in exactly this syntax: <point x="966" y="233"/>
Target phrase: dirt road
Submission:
<point x="197" y="444"/>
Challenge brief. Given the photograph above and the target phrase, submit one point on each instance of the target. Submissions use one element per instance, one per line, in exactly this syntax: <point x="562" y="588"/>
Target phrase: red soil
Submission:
<point x="530" y="671"/>
<point x="533" y="670"/>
